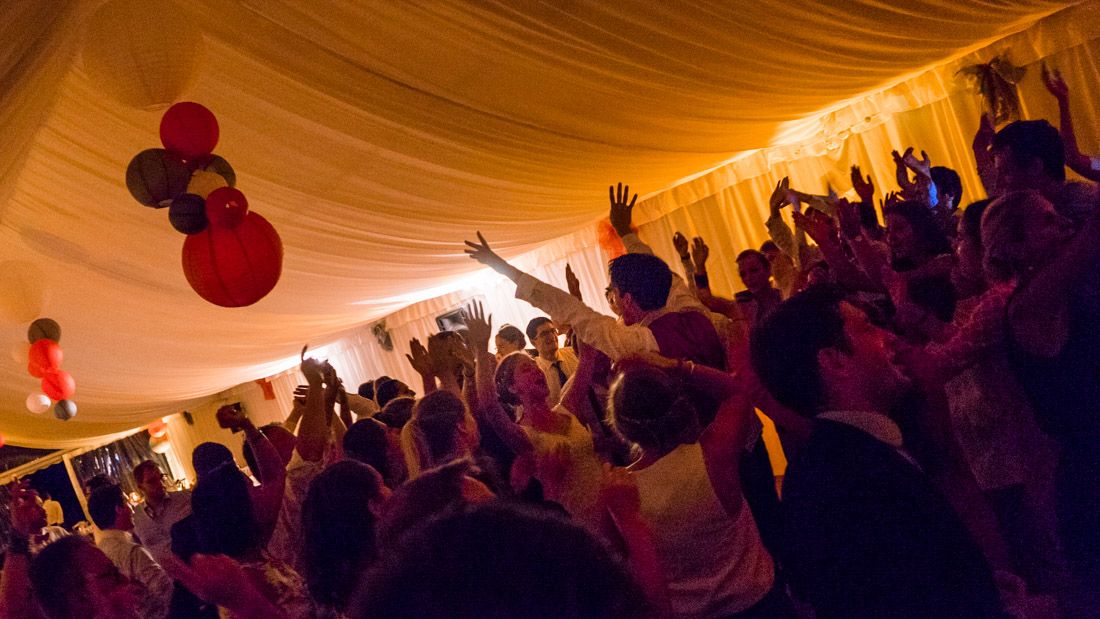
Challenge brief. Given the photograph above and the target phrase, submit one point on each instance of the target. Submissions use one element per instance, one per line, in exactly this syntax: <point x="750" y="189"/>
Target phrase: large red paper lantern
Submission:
<point x="58" y="385"/>
<point x="189" y="130"/>
<point x="44" y="356"/>
<point x="234" y="267"/>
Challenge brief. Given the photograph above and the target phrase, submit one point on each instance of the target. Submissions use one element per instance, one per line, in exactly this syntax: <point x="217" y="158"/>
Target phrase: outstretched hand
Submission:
<point x="484" y="254"/>
<point x="479" y="327"/>
<point x="864" y="188"/>
<point x="621" y="210"/>
<point x="312" y="369"/>
<point x="680" y="243"/>
<point x="699" y="254"/>
<point x="1052" y="79"/>
<point x="572" y="283"/>
<point x="419" y="359"/>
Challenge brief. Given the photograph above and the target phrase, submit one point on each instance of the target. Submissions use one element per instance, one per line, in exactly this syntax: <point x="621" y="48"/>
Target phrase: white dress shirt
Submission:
<point x="568" y="363"/>
<point x="154" y="526"/>
<point x="138" y="565"/>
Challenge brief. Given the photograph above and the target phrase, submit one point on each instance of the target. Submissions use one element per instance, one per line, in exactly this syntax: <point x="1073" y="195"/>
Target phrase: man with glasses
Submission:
<point x="558" y="364"/>
<point x="153" y="520"/>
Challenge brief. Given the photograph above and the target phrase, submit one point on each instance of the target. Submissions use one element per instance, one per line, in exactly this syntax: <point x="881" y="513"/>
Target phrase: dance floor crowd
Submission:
<point x="931" y="367"/>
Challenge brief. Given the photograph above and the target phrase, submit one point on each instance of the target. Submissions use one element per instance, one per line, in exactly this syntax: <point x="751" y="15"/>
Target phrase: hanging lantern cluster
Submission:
<point x="232" y="256"/>
<point x="44" y="357"/>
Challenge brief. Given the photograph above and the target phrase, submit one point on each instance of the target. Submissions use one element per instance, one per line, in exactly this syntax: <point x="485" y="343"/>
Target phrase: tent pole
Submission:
<point x="77" y="489"/>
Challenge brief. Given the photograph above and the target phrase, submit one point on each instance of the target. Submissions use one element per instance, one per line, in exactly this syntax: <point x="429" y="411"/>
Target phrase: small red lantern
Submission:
<point x="58" y="385"/>
<point x="226" y="207"/>
<point x="234" y="267"/>
<point x="45" y="355"/>
<point x="189" y="130"/>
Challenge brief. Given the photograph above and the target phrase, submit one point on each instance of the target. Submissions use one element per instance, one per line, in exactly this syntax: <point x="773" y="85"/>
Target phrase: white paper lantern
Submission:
<point x="142" y="53"/>
<point x="38" y="403"/>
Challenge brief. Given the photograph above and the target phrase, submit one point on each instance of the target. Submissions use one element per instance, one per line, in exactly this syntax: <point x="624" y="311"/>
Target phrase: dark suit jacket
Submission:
<point x="867" y="535"/>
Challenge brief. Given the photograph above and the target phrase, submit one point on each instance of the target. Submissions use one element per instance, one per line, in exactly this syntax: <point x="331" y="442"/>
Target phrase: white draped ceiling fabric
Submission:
<point x="376" y="136"/>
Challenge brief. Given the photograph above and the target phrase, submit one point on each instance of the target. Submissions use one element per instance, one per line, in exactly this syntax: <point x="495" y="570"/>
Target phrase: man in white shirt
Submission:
<point x="55" y="514"/>
<point x="112" y="514"/>
<point x="557" y="363"/>
<point x="153" y="519"/>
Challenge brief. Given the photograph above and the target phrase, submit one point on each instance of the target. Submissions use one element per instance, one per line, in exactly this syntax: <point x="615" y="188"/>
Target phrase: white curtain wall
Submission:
<point x="932" y="110"/>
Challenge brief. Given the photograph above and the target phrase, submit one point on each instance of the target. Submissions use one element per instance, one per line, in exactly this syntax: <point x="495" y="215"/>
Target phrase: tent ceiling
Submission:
<point x="376" y="135"/>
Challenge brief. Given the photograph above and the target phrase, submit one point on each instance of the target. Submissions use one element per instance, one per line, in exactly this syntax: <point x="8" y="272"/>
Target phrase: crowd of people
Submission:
<point x="931" y="375"/>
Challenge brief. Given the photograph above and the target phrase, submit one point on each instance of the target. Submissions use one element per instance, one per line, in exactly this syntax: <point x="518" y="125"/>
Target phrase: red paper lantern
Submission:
<point x="44" y="356"/>
<point x="234" y="267"/>
<point x="58" y="385"/>
<point x="226" y="207"/>
<point x="189" y="130"/>
<point x="158" y="429"/>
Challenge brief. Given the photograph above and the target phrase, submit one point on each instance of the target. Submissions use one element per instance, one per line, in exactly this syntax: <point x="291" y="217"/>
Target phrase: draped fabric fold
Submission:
<point x="376" y="136"/>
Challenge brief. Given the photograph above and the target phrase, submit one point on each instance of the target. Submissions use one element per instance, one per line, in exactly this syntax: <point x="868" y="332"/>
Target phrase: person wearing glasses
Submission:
<point x="557" y="363"/>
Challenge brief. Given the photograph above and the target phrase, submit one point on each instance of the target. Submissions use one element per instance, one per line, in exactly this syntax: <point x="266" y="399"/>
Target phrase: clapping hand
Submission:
<point x="922" y="166"/>
<point x="621" y="210"/>
<point x="1052" y="79"/>
<point x="699" y="254"/>
<point x="901" y="171"/>
<point x="864" y="188"/>
<point x="479" y="328"/>
<point x="780" y="195"/>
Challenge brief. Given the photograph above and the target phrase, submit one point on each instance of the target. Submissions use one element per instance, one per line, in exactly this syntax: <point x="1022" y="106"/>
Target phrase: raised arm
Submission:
<point x="421" y="362"/>
<point x="726" y="307"/>
<point x="267" y="498"/>
<point x="619" y="496"/>
<point x="488" y="407"/>
<point x="604" y="332"/>
<point x="313" y="432"/>
<point x="1078" y="162"/>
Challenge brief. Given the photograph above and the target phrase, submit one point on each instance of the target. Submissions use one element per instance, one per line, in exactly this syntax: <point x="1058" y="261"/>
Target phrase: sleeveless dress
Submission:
<point x="714" y="565"/>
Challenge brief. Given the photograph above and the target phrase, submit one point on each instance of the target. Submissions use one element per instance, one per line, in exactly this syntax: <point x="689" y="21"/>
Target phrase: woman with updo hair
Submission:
<point x="689" y="482"/>
<point x="441" y="430"/>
